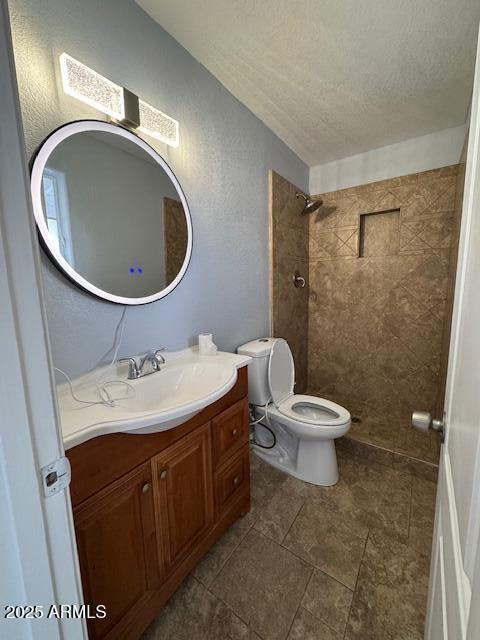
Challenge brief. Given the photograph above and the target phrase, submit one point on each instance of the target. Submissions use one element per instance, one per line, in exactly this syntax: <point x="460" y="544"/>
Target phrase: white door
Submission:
<point x="38" y="558"/>
<point x="454" y="597"/>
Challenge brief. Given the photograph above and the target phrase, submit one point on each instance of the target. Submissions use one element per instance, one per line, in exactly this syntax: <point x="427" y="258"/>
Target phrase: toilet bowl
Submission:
<point x="304" y="427"/>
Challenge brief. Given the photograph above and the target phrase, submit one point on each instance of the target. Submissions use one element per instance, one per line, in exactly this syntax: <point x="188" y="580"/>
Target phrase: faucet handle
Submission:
<point x="133" y="372"/>
<point x="157" y="354"/>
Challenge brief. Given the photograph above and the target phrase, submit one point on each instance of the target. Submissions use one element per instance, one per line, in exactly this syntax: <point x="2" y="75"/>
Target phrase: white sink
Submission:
<point x="186" y="384"/>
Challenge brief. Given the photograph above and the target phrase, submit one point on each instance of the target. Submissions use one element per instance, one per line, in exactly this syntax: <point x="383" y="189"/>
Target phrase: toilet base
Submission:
<point x="316" y="462"/>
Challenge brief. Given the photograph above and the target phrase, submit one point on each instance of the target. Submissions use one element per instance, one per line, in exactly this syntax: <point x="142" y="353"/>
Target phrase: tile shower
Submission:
<point x="289" y="232"/>
<point x="379" y="295"/>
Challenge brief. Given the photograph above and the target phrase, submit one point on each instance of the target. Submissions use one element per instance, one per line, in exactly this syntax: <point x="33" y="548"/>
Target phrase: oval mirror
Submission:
<point x="110" y="212"/>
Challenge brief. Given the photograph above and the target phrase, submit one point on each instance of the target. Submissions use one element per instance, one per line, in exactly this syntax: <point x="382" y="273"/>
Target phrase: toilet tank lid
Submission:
<point x="258" y="348"/>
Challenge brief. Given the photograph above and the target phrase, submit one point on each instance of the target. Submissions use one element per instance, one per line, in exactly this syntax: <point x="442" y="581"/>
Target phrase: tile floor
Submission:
<point x="348" y="562"/>
<point x="390" y="442"/>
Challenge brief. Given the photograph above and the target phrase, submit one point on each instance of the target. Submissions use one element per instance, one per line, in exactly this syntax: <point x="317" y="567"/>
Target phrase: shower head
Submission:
<point x="310" y="205"/>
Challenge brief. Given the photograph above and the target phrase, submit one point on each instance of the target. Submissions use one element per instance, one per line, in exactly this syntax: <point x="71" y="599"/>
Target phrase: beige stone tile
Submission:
<point x="372" y="495"/>
<point x="328" y="601"/>
<point x="290" y="304"/>
<point x="415" y="467"/>
<point x="347" y="249"/>
<point x="428" y="281"/>
<point x="374" y="430"/>
<point x="307" y="627"/>
<point x="364" y="451"/>
<point x="427" y="197"/>
<point x="390" y="597"/>
<point x="286" y="208"/>
<point x="209" y="567"/>
<point x="345" y="233"/>
<point x="437" y="231"/>
<point x="290" y="240"/>
<point x="193" y="613"/>
<point x="263" y="584"/>
<point x="412" y="322"/>
<point x="422" y="514"/>
<point x="277" y="516"/>
<point x="402" y="309"/>
<point x="442" y="172"/>
<point x="413" y="244"/>
<point x="418" y="389"/>
<point x="263" y="474"/>
<point x="324" y="218"/>
<point x="386" y="199"/>
<point x="266" y="481"/>
<point x="380" y="233"/>
<point x="412" y="443"/>
<point x="323" y="245"/>
<point x="366" y="315"/>
<point x="327" y="540"/>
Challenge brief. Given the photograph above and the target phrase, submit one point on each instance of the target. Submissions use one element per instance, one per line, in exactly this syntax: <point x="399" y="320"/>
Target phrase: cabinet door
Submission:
<point x="117" y="548"/>
<point x="183" y="491"/>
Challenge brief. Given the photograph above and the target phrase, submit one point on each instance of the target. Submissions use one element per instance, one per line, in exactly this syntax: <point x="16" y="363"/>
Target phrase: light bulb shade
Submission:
<point x="85" y="84"/>
<point x="158" y="125"/>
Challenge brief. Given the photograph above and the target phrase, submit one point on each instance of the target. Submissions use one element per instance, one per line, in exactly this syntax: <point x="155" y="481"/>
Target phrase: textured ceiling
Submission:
<point x="334" y="78"/>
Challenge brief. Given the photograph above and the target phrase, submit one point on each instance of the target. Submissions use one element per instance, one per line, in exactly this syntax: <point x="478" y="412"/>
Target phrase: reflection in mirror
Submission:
<point x="114" y="213"/>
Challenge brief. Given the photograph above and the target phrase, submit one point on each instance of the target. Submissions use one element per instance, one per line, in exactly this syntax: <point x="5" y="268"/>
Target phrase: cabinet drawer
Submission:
<point x="231" y="480"/>
<point x="230" y="431"/>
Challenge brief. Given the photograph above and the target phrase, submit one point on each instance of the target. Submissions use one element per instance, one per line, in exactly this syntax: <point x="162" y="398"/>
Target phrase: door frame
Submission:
<point x="37" y="535"/>
<point x="470" y="208"/>
<point x="462" y="563"/>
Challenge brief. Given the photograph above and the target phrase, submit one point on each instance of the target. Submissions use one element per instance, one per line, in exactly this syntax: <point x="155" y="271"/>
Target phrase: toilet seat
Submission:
<point x="303" y="409"/>
<point x="313" y="410"/>
<point x="281" y="372"/>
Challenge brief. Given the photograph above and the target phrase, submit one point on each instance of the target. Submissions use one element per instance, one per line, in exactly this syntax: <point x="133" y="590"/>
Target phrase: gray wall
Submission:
<point x="222" y="163"/>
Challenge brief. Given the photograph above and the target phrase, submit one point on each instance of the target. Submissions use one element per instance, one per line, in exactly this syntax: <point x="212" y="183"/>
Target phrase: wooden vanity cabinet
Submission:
<point x="117" y="547"/>
<point x="183" y="491"/>
<point x="148" y="507"/>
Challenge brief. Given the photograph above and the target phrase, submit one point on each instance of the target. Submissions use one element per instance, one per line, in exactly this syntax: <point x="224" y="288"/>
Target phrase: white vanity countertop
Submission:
<point x="186" y="384"/>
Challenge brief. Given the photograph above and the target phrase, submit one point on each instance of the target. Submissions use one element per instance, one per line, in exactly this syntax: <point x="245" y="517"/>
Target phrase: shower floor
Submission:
<point x="395" y="444"/>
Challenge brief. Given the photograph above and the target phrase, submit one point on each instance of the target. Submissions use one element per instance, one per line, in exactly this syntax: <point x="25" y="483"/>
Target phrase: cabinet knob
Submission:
<point x="163" y="474"/>
<point x="146" y="487"/>
<point x="234" y="432"/>
<point x="236" y="480"/>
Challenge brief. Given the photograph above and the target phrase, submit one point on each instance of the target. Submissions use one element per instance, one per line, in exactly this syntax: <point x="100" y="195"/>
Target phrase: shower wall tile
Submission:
<point x="452" y="267"/>
<point x="379" y="234"/>
<point x="376" y="323"/>
<point x="289" y="244"/>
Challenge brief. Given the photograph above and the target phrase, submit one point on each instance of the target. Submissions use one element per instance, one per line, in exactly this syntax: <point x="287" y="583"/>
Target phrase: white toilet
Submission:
<point x="304" y="427"/>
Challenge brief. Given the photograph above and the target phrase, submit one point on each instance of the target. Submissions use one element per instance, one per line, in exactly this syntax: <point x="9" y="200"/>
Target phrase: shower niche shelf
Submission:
<point x="379" y="233"/>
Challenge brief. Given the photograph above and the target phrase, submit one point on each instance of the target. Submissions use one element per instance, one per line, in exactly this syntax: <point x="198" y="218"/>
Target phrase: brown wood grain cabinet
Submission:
<point x="148" y="507"/>
<point x="117" y="546"/>
<point x="230" y="431"/>
<point x="183" y="490"/>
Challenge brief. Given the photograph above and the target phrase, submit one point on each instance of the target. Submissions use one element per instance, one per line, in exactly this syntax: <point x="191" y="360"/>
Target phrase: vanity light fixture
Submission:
<point x="85" y="84"/>
<point x="157" y="124"/>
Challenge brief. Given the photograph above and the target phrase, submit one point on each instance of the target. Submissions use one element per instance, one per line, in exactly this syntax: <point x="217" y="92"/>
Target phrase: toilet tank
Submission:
<point x="259" y="350"/>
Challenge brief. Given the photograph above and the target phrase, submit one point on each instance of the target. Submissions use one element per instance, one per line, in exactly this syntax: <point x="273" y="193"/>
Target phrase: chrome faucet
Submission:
<point x="136" y="370"/>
